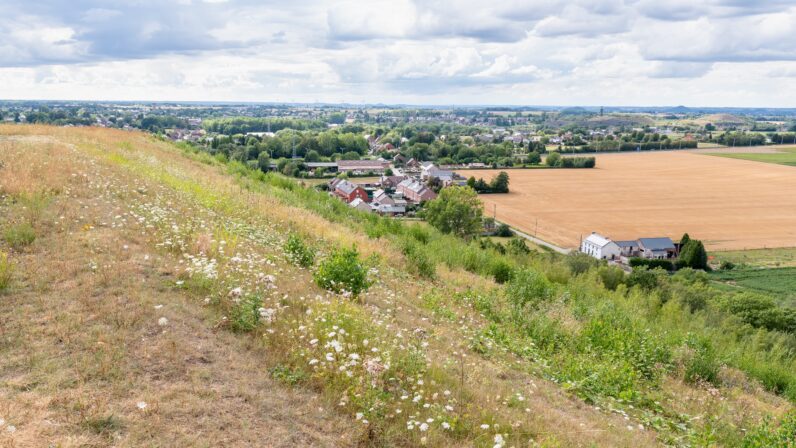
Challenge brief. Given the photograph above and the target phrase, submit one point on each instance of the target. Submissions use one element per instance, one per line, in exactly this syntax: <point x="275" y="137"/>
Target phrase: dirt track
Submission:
<point x="729" y="204"/>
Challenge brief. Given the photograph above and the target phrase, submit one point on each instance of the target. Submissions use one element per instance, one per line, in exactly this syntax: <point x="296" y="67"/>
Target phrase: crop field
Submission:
<point x="758" y="258"/>
<point x="782" y="156"/>
<point x="780" y="282"/>
<point x="729" y="204"/>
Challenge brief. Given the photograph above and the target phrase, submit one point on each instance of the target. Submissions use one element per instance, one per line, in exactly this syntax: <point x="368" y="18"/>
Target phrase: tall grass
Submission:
<point x="6" y="271"/>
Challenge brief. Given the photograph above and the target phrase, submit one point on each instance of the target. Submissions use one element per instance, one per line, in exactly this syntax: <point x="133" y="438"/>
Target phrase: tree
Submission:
<point x="534" y="158"/>
<point x="456" y="210"/>
<point x="500" y="183"/>
<point x="553" y="159"/>
<point x="312" y="156"/>
<point x="388" y="172"/>
<point x="263" y="161"/>
<point x="693" y="255"/>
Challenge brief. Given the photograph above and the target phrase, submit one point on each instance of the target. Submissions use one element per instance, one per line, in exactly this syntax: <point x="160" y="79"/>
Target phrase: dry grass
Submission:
<point x="729" y="204"/>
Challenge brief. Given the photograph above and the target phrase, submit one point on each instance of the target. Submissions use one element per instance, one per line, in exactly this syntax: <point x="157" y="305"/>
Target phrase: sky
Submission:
<point x="730" y="53"/>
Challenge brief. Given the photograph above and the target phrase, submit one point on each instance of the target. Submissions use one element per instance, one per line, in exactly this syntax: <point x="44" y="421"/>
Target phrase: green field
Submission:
<point x="763" y="258"/>
<point x="784" y="156"/>
<point x="779" y="282"/>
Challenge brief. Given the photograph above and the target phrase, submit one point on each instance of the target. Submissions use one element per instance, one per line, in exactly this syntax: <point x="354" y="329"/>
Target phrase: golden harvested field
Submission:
<point x="729" y="204"/>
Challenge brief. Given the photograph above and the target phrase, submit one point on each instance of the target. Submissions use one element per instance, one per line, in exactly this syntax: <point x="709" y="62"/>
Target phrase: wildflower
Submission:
<point x="313" y="362"/>
<point x="11" y="429"/>
<point x="359" y="415"/>
<point x="141" y="405"/>
<point x="484" y="426"/>
<point x="163" y="321"/>
<point x="446" y="425"/>
<point x="313" y="342"/>
<point x="236" y="292"/>
<point x="329" y="357"/>
<point x="499" y="442"/>
<point x="424" y="427"/>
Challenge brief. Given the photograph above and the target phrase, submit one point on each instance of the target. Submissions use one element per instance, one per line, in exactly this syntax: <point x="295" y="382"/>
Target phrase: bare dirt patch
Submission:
<point x="730" y="204"/>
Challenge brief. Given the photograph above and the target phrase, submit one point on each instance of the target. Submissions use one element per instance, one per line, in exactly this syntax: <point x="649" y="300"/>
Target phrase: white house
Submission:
<point x="599" y="247"/>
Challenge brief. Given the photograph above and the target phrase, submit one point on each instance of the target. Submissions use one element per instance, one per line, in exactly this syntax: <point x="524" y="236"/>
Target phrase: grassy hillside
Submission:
<point x="778" y="282"/>
<point x="159" y="296"/>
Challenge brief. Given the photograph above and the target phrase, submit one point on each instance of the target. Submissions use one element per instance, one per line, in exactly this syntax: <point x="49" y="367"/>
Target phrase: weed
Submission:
<point x="20" y="235"/>
<point x="104" y="426"/>
<point x="298" y="252"/>
<point x="6" y="271"/>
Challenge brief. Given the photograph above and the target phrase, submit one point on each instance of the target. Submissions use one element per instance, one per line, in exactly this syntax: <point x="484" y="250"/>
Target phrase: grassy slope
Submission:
<point x="178" y="212"/>
<point x="784" y="156"/>
<point x="762" y="258"/>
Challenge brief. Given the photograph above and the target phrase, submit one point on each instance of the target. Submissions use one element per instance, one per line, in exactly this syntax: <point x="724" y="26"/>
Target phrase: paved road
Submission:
<point x="544" y="243"/>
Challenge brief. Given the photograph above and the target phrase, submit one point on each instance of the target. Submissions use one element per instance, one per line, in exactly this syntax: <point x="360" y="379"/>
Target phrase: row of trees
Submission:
<point x="498" y="184"/>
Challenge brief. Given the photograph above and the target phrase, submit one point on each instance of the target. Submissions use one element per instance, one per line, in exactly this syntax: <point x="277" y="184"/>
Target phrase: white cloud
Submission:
<point x="717" y="52"/>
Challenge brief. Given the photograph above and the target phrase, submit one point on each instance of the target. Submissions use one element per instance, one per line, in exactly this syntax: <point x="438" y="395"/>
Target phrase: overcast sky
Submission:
<point x="533" y="52"/>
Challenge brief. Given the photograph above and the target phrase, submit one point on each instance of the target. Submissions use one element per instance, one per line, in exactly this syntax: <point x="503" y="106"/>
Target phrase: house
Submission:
<point x="381" y="197"/>
<point x="399" y="159"/>
<point x="362" y="166"/>
<point x="431" y="171"/>
<point x="360" y="204"/>
<point x="628" y="248"/>
<point x="599" y="247"/>
<point x="656" y="248"/>
<point x="391" y="181"/>
<point x="415" y="191"/>
<point x="412" y="164"/>
<point x="347" y="191"/>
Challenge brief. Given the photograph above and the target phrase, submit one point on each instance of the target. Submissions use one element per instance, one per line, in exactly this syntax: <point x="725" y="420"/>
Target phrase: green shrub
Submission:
<point x="702" y="364"/>
<point x="578" y="262"/>
<point x="6" y="271"/>
<point x="727" y="265"/>
<point x="501" y="271"/>
<point x="651" y="263"/>
<point x="19" y="235"/>
<point x="418" y="261"/>
<point x="611" y="276"/>
<point x="418" y="233"/>
<point x="767" y="435"/>
<point x="343" y="272"/>
<point x="245" y="316"/>
<point x="517" y="246"/>
<point x="298" y="252"/>
<point x="503" y="230"/>
<point x="643" y="278"/>
<point x="528" y="287"/>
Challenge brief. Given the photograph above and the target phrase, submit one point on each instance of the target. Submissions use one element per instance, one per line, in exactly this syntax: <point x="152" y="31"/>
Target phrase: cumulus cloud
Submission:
<point x="465" y="51"/>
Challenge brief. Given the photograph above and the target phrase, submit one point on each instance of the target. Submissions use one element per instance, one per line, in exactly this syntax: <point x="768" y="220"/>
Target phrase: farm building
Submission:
<point x="657" y="248"/>
<point x="362" y="166"/>
<point x="600" y="247"/>
<point x="628" y="248"/>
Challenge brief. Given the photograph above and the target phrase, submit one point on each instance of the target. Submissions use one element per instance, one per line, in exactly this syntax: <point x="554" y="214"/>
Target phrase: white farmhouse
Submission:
<point x="599" y="247"/>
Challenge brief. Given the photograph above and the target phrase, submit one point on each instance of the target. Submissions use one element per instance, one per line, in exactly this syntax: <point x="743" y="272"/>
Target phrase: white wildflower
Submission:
<point x="446" y="425"/>
<point x="163" y="321"/>
<point x="424" y="427"/>
<point x="141" y="405"/>
<point x="499" y="442"/>
<point x="485" y="426"/>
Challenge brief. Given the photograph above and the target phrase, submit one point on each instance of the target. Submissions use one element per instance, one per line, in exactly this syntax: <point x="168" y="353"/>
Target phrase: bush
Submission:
<point x="651" y="263"/>
<point x="767" y="435"/>
<point x="503" y="230"/>
<point x="343" y="272"/>
<point x="517" y="246"/>
<point x="245" y="315"/>
<point x="298" y="252"/>
<point x="578" y="262"/>
<point x="727" y="265"/>
<point x="19" y="235"/>
<point x="528" y="287"/>
<point x="418" y="261"/>
<point x="643" y="278"/>
<point x="702" y="363"/>
<point x="611" y="276"/>
<point x="6" y="271"/>
<point x="553" y="159"/>
<point x="501" y="271"/>
<point x="418" y="233"/>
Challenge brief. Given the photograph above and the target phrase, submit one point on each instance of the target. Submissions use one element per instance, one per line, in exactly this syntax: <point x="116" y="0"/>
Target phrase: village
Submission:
<point x="402" y="187"/>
